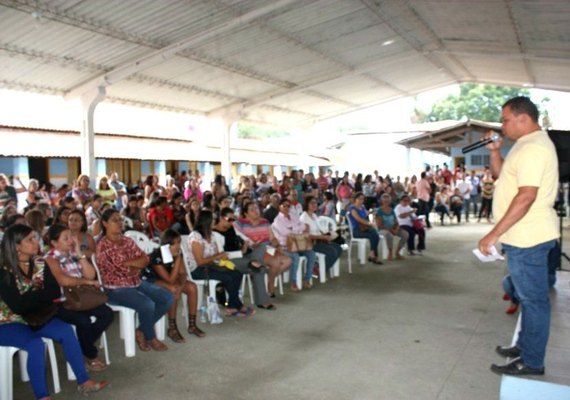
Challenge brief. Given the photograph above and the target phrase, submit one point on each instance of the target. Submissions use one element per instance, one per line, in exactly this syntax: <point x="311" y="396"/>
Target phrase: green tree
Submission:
<point x="475" y="101"/>
<point x="248" y="131"/>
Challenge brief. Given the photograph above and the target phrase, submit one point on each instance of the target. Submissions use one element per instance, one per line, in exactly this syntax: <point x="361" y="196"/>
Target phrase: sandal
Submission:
<point x="247" y="311"/>
<point x="194" y="330"/>
<point x="141" y="341"/>
<point x="267" y="307"/>
<point x="94" y="365"/>
<point x="92" y="387"/>
<point x="175" y="335"/>
<point x="157" y="345"/>
<point x="235" y="313"/>
<point x="294" y="288"/>
<point x="307" y="285"/>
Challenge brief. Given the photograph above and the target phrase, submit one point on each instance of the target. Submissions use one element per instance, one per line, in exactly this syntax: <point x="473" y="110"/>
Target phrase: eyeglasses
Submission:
<point x="230" y="219"/>
<point x="116" y="220"/>
<point x="285" y="205"/>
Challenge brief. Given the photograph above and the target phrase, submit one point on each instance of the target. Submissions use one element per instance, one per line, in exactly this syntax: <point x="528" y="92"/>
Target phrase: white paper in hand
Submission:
<point x="494" y="256"/>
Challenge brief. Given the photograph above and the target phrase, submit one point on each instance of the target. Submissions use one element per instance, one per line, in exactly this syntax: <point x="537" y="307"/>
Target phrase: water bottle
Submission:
<point x="203" y="316"/>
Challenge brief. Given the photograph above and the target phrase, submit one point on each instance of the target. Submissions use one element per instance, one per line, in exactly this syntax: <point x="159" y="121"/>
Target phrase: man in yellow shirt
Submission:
<point x="527" y="228"/>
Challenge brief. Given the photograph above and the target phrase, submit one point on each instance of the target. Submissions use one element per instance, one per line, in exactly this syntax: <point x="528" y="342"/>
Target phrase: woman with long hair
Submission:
<point x="171" y="275"/>
<point x="28" y="289"/>
<point x="70" y="267"/>
<point x="120" y="263"/>
<point x="204" y="259"/>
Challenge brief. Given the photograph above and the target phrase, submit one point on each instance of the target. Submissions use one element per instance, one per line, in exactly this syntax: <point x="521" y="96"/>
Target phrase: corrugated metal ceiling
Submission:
<point x="299" y="62"/>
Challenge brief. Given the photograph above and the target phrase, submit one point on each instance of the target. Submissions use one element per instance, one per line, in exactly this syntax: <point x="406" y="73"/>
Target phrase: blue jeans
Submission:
<point x="553" y="266"/>
<point x="528" y="268"/>
<point x="370" y="234"/>
<point x="150" y="302"/>
<point x="23" y="337"/>
<point x="311" y="258"/>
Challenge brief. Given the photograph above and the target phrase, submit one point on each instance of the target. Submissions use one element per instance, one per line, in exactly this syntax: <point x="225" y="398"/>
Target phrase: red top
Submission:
<point x="111" y="259"/>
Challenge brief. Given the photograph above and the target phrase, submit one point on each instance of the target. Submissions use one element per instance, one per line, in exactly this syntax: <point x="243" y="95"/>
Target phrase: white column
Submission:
<point x="89" y="101"/>
<point x="229" y="129"/>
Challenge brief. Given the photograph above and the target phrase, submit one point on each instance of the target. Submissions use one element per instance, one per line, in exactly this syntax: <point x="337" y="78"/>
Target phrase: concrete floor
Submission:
<point x="423" y="328"/>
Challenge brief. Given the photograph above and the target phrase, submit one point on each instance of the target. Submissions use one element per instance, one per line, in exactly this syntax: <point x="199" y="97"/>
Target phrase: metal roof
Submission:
<point x="282" y="62"/>
<point x="448" y="134"/>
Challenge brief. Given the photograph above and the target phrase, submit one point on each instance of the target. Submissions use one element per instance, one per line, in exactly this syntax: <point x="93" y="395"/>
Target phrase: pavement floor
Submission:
<point x="422" y="328"/>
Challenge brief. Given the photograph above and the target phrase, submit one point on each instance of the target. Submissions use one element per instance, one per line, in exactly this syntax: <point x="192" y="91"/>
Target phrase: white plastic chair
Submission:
<point x="6" y="366"/>
<point x="143" y="241"/>
<point x="201" y="283"/>
<point x="361" y="244"/>
<point x="326" y="225"/>
<point x="128" y="321"/>
<point x="103" y="345"/>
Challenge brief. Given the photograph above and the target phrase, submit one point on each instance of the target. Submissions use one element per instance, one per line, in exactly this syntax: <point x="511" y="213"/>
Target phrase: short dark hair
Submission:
<point x="225" y="211"/>
<point x="169" y="236"/>
<point x="522" y="105"/>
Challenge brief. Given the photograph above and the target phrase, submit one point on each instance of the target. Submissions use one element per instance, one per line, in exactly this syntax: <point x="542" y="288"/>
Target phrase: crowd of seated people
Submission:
<point x="74" y="222"/>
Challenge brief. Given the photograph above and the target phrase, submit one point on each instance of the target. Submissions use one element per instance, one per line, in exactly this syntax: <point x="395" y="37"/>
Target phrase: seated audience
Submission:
<point x="362" y="227"/>
<point x="82" y="192"/>
<point x="77" y="224"/>
<point x="135" y="213"/>
<point x="107" y="193"/>
<point x="328" y="208"/>
<point x="204" y="259"/>
<point x="257" y="231"/>
<point x="171" y="275"/>
<point x="251" y="261"/>
<point x="272" y="210"/>
<point x="285" y="224"/>
<point x="406" y="216"/>
<point x="120" y="263"/>
<point x="322" y="243"/>
<point x="27" y="292"/>
<point x="456" y="204"/>
<point x="71" y="267"/>
<point x="387" y="223"/>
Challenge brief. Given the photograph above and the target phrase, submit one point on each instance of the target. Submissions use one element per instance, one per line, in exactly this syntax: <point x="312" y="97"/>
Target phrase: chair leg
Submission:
<point x="322" y="267"/>
<point x="350" y="259"/>
<point x="128" y="327"/>
<point x="160" y="328"/>
<point x="184" y="300"/>
<point x="105" y="346"/>
<point x="53" y="363"/>
<point x="6" y="379"/>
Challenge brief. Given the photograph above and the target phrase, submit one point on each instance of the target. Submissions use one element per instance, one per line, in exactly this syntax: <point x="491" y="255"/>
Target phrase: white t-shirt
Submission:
<point x="400" y="209"/>
<point x="312" y="222"/>
<point x="464" y="188"/>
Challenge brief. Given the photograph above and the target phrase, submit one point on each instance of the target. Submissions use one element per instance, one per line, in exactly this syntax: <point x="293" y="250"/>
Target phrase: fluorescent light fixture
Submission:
<point x="387" y="42"/>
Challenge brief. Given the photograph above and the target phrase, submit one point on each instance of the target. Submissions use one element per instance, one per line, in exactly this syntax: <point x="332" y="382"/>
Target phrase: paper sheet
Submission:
<point x="494" y="256"/>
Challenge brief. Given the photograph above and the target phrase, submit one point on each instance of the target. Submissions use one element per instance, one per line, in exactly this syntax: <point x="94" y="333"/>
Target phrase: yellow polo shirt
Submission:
<point x="532" y="161"/>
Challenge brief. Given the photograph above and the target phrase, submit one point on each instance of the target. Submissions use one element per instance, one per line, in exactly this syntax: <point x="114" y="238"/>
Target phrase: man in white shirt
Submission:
<point x="465" y="189"/>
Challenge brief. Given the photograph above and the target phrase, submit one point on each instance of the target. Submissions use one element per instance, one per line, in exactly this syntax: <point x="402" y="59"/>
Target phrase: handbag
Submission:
<point x="418" y="224"/>
<point x="299" y="242"/>
<point x="83" y="297"/>
<point x="37" y="318"/>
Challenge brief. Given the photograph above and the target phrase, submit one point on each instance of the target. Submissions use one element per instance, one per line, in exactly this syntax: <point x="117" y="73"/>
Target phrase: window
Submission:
<point x="480" y="159"/>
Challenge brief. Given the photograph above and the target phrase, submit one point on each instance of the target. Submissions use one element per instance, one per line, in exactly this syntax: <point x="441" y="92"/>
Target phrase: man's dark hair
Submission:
<point x="523" y="105"/>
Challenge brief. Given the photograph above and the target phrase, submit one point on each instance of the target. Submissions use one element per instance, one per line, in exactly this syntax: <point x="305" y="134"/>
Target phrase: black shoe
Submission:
<point x="516" y="367"/>
<point x="510" y="352"/>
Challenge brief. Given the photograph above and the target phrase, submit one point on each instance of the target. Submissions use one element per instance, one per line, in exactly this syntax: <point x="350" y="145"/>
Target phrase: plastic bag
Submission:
<point x="214" y="314"/>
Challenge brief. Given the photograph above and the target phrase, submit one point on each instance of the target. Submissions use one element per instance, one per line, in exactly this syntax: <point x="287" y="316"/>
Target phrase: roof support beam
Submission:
<point x="158" y="56"/>
<point x="89" y="101"/>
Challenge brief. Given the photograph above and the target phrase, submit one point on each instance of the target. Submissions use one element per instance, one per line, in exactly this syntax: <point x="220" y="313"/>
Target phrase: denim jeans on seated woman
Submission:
<point x="150" y="302"/>
<point x="370" y="234"/>
<point x="295" y="256"/>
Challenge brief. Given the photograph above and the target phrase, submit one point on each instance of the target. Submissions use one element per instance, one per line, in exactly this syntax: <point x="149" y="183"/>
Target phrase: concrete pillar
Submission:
<point x="89" y="101"/>
<point x="101" y="165"/>
<point x="160" y="170"/>
<point x="408" y="160"/>
<point x="228" y="130"/>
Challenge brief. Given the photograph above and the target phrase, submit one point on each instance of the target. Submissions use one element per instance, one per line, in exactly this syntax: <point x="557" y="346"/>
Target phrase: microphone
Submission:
<point x="494" y="137"/>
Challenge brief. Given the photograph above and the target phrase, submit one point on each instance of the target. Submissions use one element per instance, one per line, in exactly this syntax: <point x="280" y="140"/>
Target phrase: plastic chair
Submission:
<point x="327" y="224"/>
<point x="201" y="283"/>
<point x="142" y="240"/>
<point x="6" y="354"/>
<point x="361" y="244"/>
<point x="128" y="320"/>
<point x="103" y="345"/>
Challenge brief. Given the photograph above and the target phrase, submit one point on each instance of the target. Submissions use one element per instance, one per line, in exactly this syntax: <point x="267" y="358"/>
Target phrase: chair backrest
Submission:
<point x="127" y="223"/>
<point x="94" y="263"/>
<point x="186" y="254"/>
<point x="327" y="224"/>
<point x="142" y="240"/>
